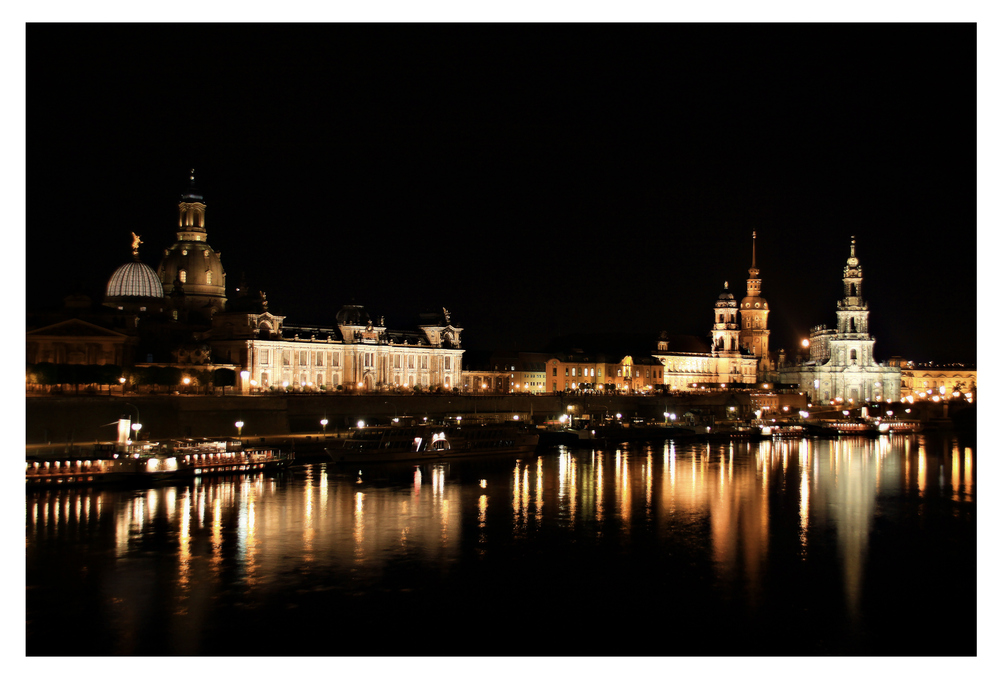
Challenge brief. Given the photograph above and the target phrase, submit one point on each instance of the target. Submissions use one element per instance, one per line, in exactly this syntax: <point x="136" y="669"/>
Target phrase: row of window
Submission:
<point x="368" y="359"/>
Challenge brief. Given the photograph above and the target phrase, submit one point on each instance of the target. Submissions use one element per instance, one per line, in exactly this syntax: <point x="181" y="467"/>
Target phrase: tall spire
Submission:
<point x="753" y="289"/>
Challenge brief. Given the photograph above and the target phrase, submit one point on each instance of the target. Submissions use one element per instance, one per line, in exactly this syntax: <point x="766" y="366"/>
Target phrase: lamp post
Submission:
<point x="122" y="381"/>
<point x="239" y="430"/>
<point x="323" y="423"/>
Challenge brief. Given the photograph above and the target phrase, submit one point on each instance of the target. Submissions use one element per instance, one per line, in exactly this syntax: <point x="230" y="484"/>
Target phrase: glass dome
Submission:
<point x="134" y="279"/>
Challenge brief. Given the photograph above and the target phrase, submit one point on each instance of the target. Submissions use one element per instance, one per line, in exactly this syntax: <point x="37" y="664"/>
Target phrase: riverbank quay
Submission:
<point x="58" y="420"/>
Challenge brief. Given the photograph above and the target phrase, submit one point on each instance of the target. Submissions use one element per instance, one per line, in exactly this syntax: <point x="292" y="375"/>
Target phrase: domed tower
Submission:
<point x="726" y="330"/>
<point x="134" y="287"/>
<point x="754" y="334"/>
<point x="191" y="271"/>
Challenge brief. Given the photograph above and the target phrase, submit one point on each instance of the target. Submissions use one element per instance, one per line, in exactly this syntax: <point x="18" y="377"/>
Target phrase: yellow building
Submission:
<point x="924" y="381"/>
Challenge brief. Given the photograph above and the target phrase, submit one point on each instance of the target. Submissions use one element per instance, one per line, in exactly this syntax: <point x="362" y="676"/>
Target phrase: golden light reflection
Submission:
<point x="516" y="495"/>
<point x="216" y="561"/>
<point x="649" y="484"/>
<point x="624" y="490"/>
<point x="967" y="477"/>
<point x="359" y="526"/>
<point x="956" y="475"/>
<point x="539" y="487"/>
<point x="803" y="500"/>
<point x="922" y="471"/>
<point x="525" y="494"/>
<point x="599" y="492"/>
<point x="184" y="552"/>
<point x="308" y="531"/>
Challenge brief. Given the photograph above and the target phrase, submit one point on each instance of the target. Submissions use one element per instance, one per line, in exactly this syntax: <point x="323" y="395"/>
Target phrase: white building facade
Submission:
<point x="357" y="354"/>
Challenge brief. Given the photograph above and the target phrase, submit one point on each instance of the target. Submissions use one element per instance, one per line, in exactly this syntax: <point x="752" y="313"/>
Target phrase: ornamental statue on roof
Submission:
<point x="136" y="240"/>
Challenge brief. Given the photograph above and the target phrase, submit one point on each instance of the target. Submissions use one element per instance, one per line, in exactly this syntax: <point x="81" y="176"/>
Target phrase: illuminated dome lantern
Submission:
<point x="191" y="270"/>
<point x="134" y="287"/>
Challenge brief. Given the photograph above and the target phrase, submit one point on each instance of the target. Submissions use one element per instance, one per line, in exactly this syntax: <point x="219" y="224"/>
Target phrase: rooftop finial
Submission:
<point x="852" y="247"/>
<point x="754" y="263"/>
<point x="135" y="245"/>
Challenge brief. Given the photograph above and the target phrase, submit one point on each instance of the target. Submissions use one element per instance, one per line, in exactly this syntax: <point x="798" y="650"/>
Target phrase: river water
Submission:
<point x="802" y="547"/>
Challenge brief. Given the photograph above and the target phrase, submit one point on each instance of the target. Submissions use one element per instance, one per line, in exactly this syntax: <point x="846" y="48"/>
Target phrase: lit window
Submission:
<point x="183" y="276"/>
<point x="208" y="276"/>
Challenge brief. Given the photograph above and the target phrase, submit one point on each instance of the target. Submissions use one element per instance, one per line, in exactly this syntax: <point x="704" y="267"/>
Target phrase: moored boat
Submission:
<point x="152" y="462"/>
<point x="432" y="442"/>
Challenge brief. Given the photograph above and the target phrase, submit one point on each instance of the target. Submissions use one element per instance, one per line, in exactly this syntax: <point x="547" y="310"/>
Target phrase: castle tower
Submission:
<point x="191" y="271"/>
<point x="754" y="334"/>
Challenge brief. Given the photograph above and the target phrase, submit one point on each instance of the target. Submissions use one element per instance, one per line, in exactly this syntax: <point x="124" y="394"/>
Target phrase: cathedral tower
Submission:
<point x="852" y="345"/>
<point x="754" y="334"/>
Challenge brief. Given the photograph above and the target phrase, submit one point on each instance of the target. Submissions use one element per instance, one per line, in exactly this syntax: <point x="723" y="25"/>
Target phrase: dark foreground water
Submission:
<point x="811" y="547"/>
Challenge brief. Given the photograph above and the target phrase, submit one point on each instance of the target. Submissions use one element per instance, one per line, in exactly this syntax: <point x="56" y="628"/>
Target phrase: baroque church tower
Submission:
<point x="754" y="334"/>
<point x="841" y="365"/>
<point x="191" y="271"/>
<point x="852" y="346"/>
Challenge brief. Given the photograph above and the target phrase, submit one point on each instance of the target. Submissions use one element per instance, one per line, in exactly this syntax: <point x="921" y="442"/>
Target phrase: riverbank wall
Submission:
<point x="56" y="419"/>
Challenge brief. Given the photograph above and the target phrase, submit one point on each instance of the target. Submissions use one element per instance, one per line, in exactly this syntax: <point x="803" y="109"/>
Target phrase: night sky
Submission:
<point x="536" y="180"/>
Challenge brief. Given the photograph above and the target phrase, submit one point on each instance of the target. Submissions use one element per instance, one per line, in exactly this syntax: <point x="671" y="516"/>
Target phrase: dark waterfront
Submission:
<point x="805" y="547"/>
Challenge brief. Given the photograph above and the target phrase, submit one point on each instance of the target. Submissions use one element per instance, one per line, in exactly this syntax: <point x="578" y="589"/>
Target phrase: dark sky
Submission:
<point x="536" y="180"/>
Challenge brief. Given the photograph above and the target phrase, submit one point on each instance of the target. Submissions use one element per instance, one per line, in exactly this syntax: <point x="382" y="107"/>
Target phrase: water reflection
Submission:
<point x="178" y="554"/>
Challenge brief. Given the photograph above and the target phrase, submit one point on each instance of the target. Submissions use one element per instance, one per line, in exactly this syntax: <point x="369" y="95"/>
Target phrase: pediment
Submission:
<point x="76" y="328"/>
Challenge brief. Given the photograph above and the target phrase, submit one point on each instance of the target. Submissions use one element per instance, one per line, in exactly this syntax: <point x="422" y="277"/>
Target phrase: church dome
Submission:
<point x="726" y="299"/>
<point x="134" y="280"/>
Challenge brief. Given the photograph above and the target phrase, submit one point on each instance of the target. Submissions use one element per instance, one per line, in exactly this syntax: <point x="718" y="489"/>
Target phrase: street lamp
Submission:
<point x="136" y="427"/>
<point x="122" y="381"/>
<point x="323" y="423"/>
<point x="239" y="429"/>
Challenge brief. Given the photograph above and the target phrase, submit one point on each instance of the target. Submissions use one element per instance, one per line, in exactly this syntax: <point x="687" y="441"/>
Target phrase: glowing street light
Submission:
<point x="239" y="429"/>
<point x="122" y="381"/>
<point x="323" y="423"/>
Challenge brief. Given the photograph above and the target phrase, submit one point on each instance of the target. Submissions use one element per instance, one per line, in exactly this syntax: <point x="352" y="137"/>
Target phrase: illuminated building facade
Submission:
<point x="841" y="365"/>
<point x="357" y="354"/>
<point x="726" y="362"/>
<point x="924" y="381"/>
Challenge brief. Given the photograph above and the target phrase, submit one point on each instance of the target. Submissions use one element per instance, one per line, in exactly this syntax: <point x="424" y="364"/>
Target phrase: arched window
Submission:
<point x="183" y="275"/>
<point x="854" y="355"/>
<point x="208" y="276"/>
